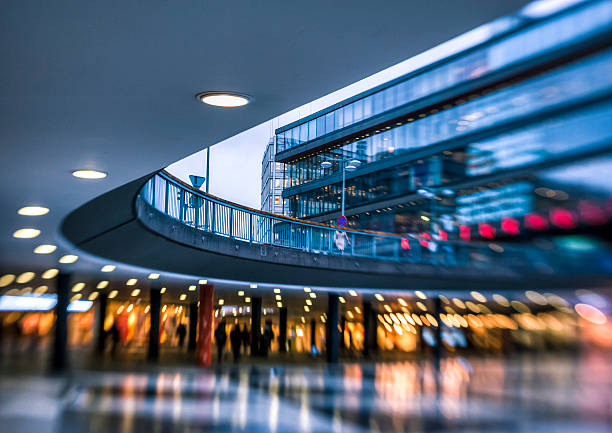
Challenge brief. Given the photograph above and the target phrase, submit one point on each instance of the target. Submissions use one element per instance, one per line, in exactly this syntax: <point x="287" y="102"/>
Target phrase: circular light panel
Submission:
<point x="89" y="174"/>
<point x="26" y="233"/>
<point x="45" y="249"/>
<point x="33" y="210"/>
<point x="224" y="99"/>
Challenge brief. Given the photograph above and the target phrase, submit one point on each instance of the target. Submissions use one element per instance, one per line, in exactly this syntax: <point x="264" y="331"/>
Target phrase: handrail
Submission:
<point x="208" y="213"/>
<point x="193" y="208"/>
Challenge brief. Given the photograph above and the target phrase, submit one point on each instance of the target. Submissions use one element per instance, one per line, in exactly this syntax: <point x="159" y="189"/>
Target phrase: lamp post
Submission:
<point x="347" y="165"/>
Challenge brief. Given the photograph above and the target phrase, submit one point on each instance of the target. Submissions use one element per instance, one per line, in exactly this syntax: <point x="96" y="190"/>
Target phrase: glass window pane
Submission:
<point x="329" y="122"/>
<point x="357" y="110"/>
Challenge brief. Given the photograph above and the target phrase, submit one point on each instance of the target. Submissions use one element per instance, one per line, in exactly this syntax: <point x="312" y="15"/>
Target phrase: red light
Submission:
<point x="424" y="242"/>
<point x="465" y="233"/>
<point x="562" y="218"/>
<point x="486" y="230"/>
<point x="405" y="243"/>
<point x="443" y="235"/>
<point x="591" y="213"/>
<point x="534" y="221"/>
<point x="510" y="225"/>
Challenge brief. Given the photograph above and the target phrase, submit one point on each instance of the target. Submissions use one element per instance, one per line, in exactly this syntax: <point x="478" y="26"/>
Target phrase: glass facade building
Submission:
<point x="534" y="96"/>
<point x="272" y="181"/>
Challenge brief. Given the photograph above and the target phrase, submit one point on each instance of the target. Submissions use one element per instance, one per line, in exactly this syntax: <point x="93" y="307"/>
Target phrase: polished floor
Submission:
<point x="551" y="393"/>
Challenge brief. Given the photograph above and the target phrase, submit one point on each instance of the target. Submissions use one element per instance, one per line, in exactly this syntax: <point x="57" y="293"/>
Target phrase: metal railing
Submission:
<point x="210" y="214"/>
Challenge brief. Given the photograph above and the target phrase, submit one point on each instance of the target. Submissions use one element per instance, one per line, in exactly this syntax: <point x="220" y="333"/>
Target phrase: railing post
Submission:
<point x="181" y="204"/>
<point x="352" y="244"/>
<point x="153" y="191"/>
<point x="251" y="228"/>
<point x="291" y="234"/>
<point x="206" y="226"/>
<point x="231" y="222"/>
<point x="329" y="246"/>
<point x="213" y="217"/>
<point x="396" y="250"/>
<point x="166" y="199"/>
<point x="373" y="246"/>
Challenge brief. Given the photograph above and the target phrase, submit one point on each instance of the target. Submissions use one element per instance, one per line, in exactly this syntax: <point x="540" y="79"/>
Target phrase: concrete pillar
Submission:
<point x="282" y="329"/>
<point x="255" y="325"/>
<point x="333" y="335"/>
<point x="370" y="347"/>
<point x="342" y="332"/>
<point x="101" y="315"/>
<point x="59" y="362"/>
<point x="313" y="334"/>
<point x="206" y="324"/>
<point x="154" y="313"/>
<point x="437" y="350"/>
<point x="193" y="327"/>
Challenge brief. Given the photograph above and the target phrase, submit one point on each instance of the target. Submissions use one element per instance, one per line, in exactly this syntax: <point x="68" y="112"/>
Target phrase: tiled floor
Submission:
<point x="528" y="394"/>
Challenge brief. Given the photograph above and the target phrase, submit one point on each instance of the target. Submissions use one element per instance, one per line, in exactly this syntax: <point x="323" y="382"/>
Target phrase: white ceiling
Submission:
<point x="110" y="85"/>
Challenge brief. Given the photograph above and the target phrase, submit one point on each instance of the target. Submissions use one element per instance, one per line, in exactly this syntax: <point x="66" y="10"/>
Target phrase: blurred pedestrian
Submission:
<point x="246" y="338"/>
<point x="236" y="342"/>
<point x="181" y="331"/>
<point x="115" y="337"/>
<point x="220" y="339"/>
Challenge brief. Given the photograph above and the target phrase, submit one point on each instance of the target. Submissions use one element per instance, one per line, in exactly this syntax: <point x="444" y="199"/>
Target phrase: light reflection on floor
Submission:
<point x="526" y="394"/>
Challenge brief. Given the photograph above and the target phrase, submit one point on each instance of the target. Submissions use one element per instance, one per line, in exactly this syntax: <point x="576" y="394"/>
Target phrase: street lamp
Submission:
<point x="347" y="165"/>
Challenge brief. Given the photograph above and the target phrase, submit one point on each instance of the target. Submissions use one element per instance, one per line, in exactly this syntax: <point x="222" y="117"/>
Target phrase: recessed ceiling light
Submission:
<point x="25" y="277"/>
<point x="253" y="286"/>
<point x="247" y="299"/>
<point x="202" y="281"/>
<point x="78" y="287"/>
<point x="153" y="276"/>
<point x="163" y="290"/>
<point x="276" y="290"/>
<point x="69" y="258"/>
<point x="352" y="293"/>
<point x="45" y="249"/>
<point x="107" y="268"/>
<point x="135" y="292"/>
<point x="113" y="294"/>
<point x="89" y="174"/>
<point x="93" y="296"/>
<point x="26" y="233"/>
<point x="7" y="279"/>
<point x="102" y="285"/>
<point x="192" y="288"/>
<point x="33" y="210"/>
<point x="131" y="281"/>
<point x="224" y="99"/>
<point x="50" y="273"/>
<point x="240" y="292"/>
<point x="182" y="297"/>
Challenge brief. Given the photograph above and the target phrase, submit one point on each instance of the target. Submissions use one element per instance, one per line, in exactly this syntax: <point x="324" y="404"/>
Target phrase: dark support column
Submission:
<point x="206" y="321"/>
<point x="342" y="331"/>
<point x="313" y="334"/>
<point x="193" y="327"/>
<point x="282" y="330"/>
<point x="60" y="343"/>
<point x="333" y="336"/>
<point x="155" y="297"/>
<point x="369" y="330"/>
<point x="255" y="324"/>
<point x="437" y="350"/>
<point x="101" y="335"/>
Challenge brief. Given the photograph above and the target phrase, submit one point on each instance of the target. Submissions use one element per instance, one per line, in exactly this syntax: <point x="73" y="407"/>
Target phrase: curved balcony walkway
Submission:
<point x="162" y="223"/>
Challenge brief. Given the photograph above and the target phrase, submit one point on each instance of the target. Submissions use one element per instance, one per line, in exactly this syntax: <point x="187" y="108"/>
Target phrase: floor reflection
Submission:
<point x="523" y="394"/>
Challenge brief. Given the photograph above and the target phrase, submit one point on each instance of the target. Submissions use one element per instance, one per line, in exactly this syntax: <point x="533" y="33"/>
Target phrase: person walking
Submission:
<point x="220" y="339"/>
<point x="236" y="342"/>
<point x="181" y="331"/>
<point x="246" y="338"/>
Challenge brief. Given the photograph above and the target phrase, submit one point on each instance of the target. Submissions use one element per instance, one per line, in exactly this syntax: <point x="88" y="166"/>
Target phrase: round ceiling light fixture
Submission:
<point x="89" y="174"/>
<point x="26" y="233"/>
<point x="33" y="210"/>
<point x="224" y="99"/>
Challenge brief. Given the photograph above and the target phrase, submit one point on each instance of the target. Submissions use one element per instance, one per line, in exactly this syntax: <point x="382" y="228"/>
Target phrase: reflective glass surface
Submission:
<point x="588" y="78"/>
<point x="529" y="43"/>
